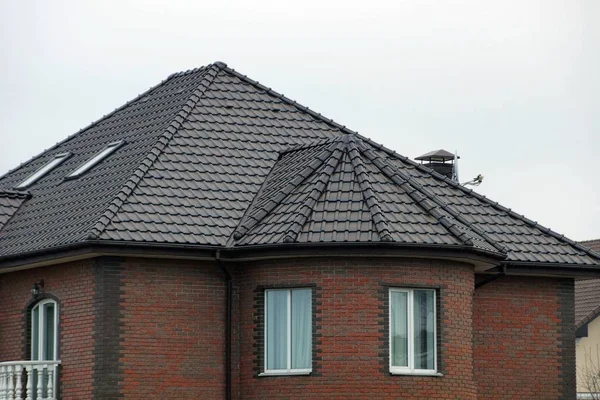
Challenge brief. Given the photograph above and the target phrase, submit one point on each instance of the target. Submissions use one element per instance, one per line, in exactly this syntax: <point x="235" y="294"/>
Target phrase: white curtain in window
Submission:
<point x="423" y="313"/>
<point x="277" y="334"/>
<point x="301" y="328"/>
<point x="399" y="328"/>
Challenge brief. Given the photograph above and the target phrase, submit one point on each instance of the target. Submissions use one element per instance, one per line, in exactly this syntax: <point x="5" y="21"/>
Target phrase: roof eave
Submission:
<point x="482" y="259"/>
<point x="588" y="318"/>
<point x="551" y="269"/>
<point x="98" y="248"/>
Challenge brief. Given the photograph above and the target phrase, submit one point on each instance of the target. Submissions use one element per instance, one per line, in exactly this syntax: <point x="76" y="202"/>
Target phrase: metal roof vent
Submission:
<point x="441" y="161"/>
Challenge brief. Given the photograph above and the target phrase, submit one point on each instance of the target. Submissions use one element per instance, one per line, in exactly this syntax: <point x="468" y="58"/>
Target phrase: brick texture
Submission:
<point x="154" y="329"/>
<point x="73" y="285"/>
<point x="173" y="330"/>
<point x="352" y="328"/>
<point x="523" y="339"/>
<point x="108" y="372"/>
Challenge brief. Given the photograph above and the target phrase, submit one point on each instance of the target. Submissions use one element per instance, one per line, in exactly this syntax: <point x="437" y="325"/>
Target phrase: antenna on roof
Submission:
<point x="475" y="181"/>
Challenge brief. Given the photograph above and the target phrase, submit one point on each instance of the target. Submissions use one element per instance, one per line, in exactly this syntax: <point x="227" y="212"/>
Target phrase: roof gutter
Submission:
<point x="95" y="248"/>
<point x="549" y="270"/>
<point x="484" y="261"/>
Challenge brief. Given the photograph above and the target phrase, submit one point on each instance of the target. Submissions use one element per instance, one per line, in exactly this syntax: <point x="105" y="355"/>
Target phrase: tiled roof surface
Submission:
<point x="587" y="293"/>
<point x="205" y="178"/>
<point x="62" y="212"/>
<point x="10" y="201"/>
<point x="210" y="152"/>
<point x="343" y="191"/>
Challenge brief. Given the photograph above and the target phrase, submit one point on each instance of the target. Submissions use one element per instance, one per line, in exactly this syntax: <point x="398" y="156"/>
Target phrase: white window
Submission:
<point x="413" y="331"/>
<point x="59" y="158"/>
<point x="44" y="328"/>
<point x="288" y="331"/>
<point x="96" y="159"/>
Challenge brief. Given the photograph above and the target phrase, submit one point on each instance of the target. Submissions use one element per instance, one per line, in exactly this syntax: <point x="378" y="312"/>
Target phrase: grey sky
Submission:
<point x="513" y="85"/>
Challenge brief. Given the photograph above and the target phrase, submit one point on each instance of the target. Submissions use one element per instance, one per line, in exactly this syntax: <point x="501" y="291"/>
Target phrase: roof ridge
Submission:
<point x="369" y="196"/>
<point x="152" y="155"/>
<point x="244" y="226"/>
<point x="323" y="179"/>
<point x="90" y="125"/>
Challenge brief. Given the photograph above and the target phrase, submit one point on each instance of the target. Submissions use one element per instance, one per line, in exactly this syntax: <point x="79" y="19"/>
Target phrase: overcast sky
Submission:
<point x="513" y="85"/>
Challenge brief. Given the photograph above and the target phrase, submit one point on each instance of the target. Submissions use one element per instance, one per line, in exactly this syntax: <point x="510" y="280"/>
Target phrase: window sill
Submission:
<point x="413" y="373"/>
<point x="286" y="373"/>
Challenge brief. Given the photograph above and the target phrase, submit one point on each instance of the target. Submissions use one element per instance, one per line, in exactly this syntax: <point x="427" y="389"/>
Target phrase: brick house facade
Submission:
<point x="247" y="248"/>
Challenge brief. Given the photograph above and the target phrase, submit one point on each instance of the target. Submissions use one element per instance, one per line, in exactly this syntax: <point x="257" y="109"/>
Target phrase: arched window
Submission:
<point x="44" y="331"/>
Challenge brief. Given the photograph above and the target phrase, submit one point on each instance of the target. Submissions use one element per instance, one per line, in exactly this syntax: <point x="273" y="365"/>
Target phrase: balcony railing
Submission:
<point x="28" y="380"/>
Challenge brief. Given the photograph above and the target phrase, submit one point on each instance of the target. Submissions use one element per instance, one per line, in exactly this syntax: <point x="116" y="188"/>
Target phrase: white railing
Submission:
<point x="588" y="396"/>
<point x="28" y="380"/>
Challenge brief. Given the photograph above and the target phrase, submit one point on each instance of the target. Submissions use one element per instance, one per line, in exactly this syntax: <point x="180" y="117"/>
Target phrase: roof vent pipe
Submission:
<point x="442" y="162"/>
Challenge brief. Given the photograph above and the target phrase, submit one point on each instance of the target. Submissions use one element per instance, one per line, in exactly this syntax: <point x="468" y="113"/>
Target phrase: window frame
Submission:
<point x="289" y="370"/>
<point x="95" y="159"/>
<point x="43" y="170"/>
<point x="41" y="349"/>
<point x="410" y="370"/>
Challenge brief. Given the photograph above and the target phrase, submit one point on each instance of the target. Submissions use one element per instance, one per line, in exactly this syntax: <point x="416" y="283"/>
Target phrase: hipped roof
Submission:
<point x="213" y="158"/>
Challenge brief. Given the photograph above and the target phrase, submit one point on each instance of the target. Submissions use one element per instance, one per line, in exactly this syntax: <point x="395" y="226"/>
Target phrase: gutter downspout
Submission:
<point x="228" y="317"/>
<point x="491" y="278"/>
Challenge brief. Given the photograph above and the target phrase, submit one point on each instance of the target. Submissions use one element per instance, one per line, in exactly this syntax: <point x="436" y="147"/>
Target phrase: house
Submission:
<point x="587" y="324"/>
<point x="213" y="239"/>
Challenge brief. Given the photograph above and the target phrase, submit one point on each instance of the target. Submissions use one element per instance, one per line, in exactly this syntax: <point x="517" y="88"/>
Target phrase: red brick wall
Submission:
<point x="521" y="331"/>
<point x="352" y="362"/>
<point x="73" y="285"/>
<point x="173" y="330"/>
<point x="166" y="322"/>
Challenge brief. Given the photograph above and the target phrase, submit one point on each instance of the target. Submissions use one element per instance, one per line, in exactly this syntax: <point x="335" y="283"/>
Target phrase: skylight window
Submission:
<point x="59" y="158"/>
<point x="96" y="159"/>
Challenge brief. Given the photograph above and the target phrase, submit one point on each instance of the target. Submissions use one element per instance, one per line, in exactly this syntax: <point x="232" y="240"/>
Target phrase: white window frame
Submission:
<point x="97" y="158"/>
<point x="44" y="170"/>
<point x="410" y="369"/>
<point x="289" y="370"/>
<point x="41" y="325"/>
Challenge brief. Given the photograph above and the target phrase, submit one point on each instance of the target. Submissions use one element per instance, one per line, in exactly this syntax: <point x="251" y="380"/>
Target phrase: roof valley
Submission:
<point x="509" y="212"/>
<point x="254" y="218"/>
<point x="200" y="167"/>
<point x="433" y="210"/>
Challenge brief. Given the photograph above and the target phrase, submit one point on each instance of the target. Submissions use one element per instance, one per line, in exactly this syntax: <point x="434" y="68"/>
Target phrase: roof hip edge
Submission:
<point x="380" y="222"/>
<point x="161" y="143"/>
<point x="420" y="196"/>
<point x="285" y="99"/>
<point x="482" y="198"/>
<point x="301" y="217"/>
